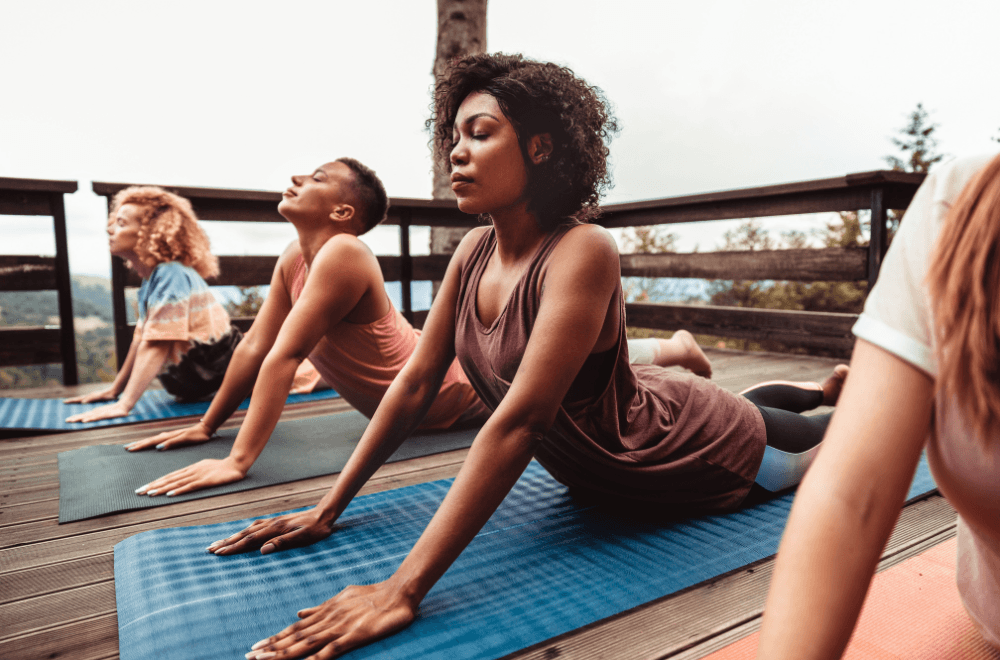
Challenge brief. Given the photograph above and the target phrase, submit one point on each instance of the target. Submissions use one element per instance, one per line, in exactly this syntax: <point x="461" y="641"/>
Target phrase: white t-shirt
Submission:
<point x="897" y="318"/>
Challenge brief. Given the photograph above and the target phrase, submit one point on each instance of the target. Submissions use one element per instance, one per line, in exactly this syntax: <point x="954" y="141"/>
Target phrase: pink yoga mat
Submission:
<point x="912" y="612"/>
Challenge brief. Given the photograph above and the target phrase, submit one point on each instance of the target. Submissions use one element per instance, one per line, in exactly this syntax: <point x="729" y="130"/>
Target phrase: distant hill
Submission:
<point x="91" y="298"/>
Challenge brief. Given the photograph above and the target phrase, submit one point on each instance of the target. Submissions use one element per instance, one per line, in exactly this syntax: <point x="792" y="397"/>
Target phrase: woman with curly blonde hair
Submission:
<point x="181" y="324"/>
<point x="925" y="375"/>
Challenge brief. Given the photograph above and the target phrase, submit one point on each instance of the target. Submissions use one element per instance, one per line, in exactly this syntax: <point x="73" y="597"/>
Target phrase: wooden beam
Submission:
<point x="825" y="265"/>
<point x="811" y="329"/>
<point x="27" y="273"/>
<point x="26" y="345"/>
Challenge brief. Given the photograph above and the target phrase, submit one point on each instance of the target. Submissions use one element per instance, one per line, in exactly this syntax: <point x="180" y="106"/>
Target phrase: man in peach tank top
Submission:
<point x="327" y="302"/>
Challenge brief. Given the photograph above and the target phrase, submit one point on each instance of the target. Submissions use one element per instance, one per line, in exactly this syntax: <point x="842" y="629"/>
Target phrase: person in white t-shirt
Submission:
<point x="925" y="374"/>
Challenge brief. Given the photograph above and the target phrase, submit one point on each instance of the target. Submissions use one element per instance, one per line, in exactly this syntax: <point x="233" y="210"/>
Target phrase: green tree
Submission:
<point x="918" y="152"/>
<point x="750" y="236"/>
<point x="917" y="144"/>
<point x="649" y="240"/>
<point x="248" y="305"/>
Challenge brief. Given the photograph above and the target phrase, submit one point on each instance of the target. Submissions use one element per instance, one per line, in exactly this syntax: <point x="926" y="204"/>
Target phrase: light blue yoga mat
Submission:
<point x="542" y="566"/>
<point x="51" y="414"/>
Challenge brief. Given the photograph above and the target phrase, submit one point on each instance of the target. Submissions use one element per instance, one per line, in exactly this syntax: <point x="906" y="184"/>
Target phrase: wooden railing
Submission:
<point x="222" y="204"/>
<point x="875" y="191"/>
<point x="21" y="346"/>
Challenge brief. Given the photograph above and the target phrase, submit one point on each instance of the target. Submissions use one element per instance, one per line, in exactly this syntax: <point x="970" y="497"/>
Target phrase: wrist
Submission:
<point x="406" y="589"/>
<point x="239" y="463"/>
<point x="206" y="428"/>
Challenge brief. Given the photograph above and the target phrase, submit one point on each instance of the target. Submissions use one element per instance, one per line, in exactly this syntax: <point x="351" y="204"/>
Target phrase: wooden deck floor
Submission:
<point x="57" y="597"/>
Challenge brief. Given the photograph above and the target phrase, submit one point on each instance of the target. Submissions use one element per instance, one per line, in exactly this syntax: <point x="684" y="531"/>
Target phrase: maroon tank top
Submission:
<point x="649" y="435"/>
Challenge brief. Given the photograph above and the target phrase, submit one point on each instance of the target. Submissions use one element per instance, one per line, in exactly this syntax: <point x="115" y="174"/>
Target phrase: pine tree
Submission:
<point x="918" y="144"/>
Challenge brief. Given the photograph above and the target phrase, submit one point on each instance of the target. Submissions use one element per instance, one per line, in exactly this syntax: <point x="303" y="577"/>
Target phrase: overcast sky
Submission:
<point x="711" y="95"/>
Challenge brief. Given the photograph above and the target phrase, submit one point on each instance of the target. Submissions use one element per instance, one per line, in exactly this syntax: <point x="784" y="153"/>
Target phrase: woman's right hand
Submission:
<point x="104" y="395"/>
<point x="191" y="435"/>
<point x="292" y="530"/>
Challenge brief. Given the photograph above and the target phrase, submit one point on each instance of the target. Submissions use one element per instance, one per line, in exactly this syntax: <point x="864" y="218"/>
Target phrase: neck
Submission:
<point x="141" y="269"/>
<point x="517" y="232"/>
<point x="311" y="239"/>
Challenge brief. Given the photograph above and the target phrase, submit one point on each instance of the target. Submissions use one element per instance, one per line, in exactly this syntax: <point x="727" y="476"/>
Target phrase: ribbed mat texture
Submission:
<point x="542" y="566"/>
<point x="51" y="414"/>
<point x="101" y="479"/>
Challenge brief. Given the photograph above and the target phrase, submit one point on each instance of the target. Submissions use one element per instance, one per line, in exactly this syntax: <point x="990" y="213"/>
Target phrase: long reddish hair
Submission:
<point x="964" y="283"/>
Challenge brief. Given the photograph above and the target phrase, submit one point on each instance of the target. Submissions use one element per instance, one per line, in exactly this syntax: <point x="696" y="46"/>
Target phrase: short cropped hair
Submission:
<point x="369" y="192"/>
<point x="168" y="229"/>
<point x="537" y="97"/>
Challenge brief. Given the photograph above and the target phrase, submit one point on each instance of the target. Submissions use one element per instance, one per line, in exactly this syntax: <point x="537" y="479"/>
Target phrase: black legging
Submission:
<point x="786" y="429"/>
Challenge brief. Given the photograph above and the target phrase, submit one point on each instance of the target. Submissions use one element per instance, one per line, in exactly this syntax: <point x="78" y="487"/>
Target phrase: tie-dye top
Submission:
<point x="175" y="304"/>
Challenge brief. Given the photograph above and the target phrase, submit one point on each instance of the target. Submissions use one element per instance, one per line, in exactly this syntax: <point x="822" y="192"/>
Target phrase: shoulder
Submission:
<point x="173" y="273"/>
<point x="468" y="244"/>
<point x="587" y="247"/>
<point x="345" y="255"/>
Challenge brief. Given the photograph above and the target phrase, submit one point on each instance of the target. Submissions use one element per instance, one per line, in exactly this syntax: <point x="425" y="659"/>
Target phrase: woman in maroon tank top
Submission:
<point x="533" y="307"/>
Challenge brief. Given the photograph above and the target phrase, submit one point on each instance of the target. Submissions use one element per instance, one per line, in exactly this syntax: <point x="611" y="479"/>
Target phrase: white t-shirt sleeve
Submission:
<point x="896" y="315"/>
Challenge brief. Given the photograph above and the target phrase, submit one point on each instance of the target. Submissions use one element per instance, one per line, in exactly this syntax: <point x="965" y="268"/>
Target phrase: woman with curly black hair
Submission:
<point x="532" y="306"/>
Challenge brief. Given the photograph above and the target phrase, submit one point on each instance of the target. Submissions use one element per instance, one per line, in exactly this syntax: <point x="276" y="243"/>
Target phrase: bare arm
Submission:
<point x="339" y="278"/>
<point x="566" y="331"/>
<point x="846" y="507"/>
<point x="243" y="367"/>
<point x="149" y="358"/>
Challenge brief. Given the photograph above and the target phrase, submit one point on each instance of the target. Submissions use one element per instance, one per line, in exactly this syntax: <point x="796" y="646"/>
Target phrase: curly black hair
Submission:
<point x="537" y="97"/>
<point x="370" y="193"/>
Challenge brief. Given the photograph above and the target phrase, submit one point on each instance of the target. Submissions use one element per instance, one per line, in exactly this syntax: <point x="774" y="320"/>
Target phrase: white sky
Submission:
<point x="712" y="95"/>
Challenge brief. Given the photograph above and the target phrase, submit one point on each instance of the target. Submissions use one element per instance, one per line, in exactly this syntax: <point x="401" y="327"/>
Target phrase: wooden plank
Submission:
<point x="38" y="614"/>
<point x="27" y="273"/>
<point x="848" y="193"/>
<point x="21" y="346"/>
<point x="37" y="185"/>
<point x="671" y="625"/>
<point x="233" y="271"/>
<point x="826" y="265"/>
<point x="90" y="639"/>
<point x="52" y="578"/>
<point x="815" y="329"/>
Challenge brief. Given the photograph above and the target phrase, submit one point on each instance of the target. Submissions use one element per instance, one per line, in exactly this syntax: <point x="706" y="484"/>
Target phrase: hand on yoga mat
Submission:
<point x="354" y="617"/>
<point x="203" y="474"/>
<point x="191" y="435"/>
<point x="104" y="395"/>
<point x="104" y="412"/>
<point x="292" y="530"/>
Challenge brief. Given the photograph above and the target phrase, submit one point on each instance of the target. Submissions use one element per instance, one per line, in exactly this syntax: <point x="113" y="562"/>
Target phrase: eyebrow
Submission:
<point x="474" y="117"/>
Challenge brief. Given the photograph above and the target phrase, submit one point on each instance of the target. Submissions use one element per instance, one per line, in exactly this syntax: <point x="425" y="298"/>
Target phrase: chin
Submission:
<point x="466" y="205"/>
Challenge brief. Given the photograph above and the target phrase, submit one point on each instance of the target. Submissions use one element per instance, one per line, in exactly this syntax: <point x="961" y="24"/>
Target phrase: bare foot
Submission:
<point x="691" y="356"/>
<point x="833" y="384"/>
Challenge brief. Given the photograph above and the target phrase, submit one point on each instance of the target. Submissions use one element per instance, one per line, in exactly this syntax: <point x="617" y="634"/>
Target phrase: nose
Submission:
<point x="297" y="179"/>
<point x="459" y="154"/>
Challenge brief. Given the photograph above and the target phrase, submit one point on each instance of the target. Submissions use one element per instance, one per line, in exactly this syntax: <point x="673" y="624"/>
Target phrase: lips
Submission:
<point x="460" y="178"/>
<point x="288" y="193"/>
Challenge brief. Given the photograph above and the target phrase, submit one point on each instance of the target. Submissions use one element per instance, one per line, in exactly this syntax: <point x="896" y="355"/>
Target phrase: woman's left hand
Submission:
<point x="354" y="617"/>
<point x="110" y="411"/>
<point x="203" y="474"/>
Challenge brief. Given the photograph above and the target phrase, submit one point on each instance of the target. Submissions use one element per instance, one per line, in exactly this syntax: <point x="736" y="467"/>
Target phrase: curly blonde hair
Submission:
<point x="168" y="229"/>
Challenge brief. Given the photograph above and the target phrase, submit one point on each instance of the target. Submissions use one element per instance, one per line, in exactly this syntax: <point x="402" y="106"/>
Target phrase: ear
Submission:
<point x="539" y="148"/>
<point x="342" y="213"/>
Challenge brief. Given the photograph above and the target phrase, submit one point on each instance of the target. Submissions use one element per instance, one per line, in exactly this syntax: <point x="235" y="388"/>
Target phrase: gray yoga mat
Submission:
<point x="97" y="480"/>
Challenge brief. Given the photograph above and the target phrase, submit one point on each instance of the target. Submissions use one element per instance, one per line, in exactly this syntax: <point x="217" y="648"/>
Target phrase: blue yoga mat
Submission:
<point x="542" y="566"/>
<point x="51" y="414"/>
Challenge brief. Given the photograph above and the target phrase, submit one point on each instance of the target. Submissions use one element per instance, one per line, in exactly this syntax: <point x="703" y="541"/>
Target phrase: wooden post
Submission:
<point x="877" y="243"/>
<point x="67" y="335"/>
<point x="405" y="264"/>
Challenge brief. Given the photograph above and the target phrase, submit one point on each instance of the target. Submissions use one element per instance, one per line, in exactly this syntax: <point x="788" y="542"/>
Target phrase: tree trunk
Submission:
<point x="461" y="32"/>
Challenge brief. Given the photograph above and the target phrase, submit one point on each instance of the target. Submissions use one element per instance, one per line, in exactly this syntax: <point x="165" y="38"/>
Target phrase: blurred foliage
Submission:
<point x="248" y="305"/>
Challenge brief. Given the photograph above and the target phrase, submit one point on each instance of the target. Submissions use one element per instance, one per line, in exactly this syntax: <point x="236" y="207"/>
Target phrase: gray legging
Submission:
<point x="780" y="406"/>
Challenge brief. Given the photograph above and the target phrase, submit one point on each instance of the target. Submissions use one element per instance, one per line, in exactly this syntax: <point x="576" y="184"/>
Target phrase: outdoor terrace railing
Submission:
<point x="23" y="345"/>
<point x="875" y="191"/>
<point x="229" y="205"/>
